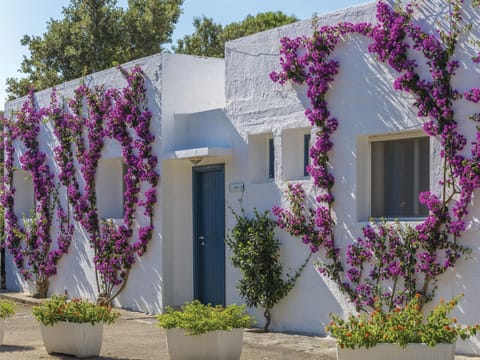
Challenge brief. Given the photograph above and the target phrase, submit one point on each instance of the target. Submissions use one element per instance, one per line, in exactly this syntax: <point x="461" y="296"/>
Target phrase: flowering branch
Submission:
<point x="30" y="245"/>
<point x="121" y="115"/>
<point x="411" y="259"/>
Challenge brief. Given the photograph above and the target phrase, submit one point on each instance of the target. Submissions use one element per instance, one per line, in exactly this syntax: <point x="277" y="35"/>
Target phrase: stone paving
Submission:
<point x="135" y="336"/>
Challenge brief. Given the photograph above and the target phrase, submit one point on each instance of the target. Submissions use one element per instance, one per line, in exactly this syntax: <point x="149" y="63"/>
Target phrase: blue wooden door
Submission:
<point x="209" y="233"/>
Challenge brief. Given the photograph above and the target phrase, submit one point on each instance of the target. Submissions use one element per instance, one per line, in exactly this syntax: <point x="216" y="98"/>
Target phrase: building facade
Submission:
<point x="226" y="135"/>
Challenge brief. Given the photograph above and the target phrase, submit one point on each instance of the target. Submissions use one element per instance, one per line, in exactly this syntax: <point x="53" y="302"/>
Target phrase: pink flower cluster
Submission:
<point x="121" y="115"/>
<point x="30" y="244"/>
<point x="92" y="116"/>
<point x="387" y="253"/>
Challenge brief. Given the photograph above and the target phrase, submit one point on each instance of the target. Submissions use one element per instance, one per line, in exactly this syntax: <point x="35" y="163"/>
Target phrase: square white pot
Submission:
<point x="395" y="352"/>
<point x="78" y="339"/>
<point x="2" y="330"/>
<point x="219" y="345"/>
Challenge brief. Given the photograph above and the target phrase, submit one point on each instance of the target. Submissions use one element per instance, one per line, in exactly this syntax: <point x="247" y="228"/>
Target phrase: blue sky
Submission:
<point x="22" y="17"/>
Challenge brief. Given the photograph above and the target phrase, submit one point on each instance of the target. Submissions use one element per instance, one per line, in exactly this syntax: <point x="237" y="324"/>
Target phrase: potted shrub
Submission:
<point x="403" y="333"/>
<point x="73" y="327"/>
<point x="197" y="331"/>
<point x="7" y="309"/>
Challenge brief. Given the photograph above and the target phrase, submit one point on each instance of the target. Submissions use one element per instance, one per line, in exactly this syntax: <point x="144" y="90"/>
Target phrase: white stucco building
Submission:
<point x="219" y="123"/>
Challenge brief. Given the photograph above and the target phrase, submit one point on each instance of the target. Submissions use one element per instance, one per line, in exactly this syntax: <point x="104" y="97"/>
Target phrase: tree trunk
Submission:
<point x="103" y="300"/>
<point x="268" y="317"/>
<point x="41" y="288"/>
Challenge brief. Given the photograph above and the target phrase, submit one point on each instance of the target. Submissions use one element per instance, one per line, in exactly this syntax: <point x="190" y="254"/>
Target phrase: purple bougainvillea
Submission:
<point x="31" y="243"/>
<point x="390" y="262"/>
<point x="92" y="116"/>
<point x="121" y="115"/>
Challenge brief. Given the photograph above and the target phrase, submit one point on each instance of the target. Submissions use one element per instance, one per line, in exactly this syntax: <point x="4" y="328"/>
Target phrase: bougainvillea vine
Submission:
<point x="121" y="115"/>
<point x="31" y="244"/>
<point x="81" y="126"/>
<point x="390" y="262"/>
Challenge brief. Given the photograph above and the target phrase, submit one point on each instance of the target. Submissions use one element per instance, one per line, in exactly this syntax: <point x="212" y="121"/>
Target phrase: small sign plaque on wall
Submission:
<point x="236" y="187"/>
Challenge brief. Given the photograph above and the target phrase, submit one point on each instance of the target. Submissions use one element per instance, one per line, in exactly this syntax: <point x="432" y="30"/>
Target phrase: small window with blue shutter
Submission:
<point x="306" y="153"/>
<point x="295" y="154"/>
<point x="261" y="158"/>
<point x="271" y="159"/>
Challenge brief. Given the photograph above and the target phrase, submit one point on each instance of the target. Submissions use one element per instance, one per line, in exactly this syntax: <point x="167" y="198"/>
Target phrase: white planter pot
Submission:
<point x="395" y="352"/>
<point x="219" y="345"/>
<point x="2" y="330"/>
<point x="80" y="340"/>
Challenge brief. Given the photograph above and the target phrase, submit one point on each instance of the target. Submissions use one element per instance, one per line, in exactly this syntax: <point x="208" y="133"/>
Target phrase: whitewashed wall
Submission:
<point x="175" y="83"/>
<point x="363" y="100"/>
<point x="187" y="96"/>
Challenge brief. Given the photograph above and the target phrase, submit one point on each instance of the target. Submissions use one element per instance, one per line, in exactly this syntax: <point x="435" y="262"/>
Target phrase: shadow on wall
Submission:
<point x="14" y="280"/>
<point x="145" y="284"/>
<point x="154" y="100"/>
<point x="210" y="128"/>
<point x="76" y="270"/>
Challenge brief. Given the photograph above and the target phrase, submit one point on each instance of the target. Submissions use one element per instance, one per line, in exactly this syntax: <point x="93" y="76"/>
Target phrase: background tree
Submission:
<point x="209" y="37"/>
<point x="94" y="35"/>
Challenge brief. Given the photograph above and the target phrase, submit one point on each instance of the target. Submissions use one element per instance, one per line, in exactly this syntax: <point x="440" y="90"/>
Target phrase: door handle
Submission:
<point x="202" y="240"/>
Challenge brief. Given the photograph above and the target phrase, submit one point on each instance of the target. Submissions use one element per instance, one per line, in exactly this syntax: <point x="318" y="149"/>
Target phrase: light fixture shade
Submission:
<point x="196" y="160"/>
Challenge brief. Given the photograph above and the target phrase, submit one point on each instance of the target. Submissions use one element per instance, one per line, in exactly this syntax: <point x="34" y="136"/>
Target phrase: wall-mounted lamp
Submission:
<point x="196" y="160"/>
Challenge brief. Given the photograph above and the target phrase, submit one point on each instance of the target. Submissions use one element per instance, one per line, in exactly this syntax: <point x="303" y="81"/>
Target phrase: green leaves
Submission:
<point x="401" y="326"/>
<point x="256" y="252"/>
<point x="196" y="318"/>
<point x="58" y="308"/>
<point x="94" y="35"/>
<point x="7" y="309"/>
<point x="209" y="37"/>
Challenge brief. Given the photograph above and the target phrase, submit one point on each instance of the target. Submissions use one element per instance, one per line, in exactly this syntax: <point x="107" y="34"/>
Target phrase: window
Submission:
<point x="271" y="159"/>
<point x="295" y="153"/>
<point x="261" y="158"/>
<point x="399" y="172"/>
<point x="24" y="199"/>
<point x="306" y="153"/>
<point x="110" y="188"/>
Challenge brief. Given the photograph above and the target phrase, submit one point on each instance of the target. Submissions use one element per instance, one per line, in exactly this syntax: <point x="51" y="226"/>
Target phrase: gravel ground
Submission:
<point x="135" y="336"/>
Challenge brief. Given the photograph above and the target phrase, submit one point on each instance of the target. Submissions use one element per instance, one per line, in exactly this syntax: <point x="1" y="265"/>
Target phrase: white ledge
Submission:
<point x="198" y="152"/>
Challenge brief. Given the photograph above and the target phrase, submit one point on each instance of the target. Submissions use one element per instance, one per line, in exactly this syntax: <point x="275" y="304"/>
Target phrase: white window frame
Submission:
<point x="394" y="137"/>
<point x="24" y="196"/>
<point x="116" y="211"/>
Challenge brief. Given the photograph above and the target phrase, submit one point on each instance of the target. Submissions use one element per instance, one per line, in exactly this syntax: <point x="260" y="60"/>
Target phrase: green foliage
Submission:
<point x="196" y="318"/>
<point x="7" y="309"/>
<point x="58" y="308"/>
<point x="205" y="41"/>
<point x="256" y="252"/>
<point x="209" y="37"/>
<point x="401" y="326"/>
<point x="94" y="35"/>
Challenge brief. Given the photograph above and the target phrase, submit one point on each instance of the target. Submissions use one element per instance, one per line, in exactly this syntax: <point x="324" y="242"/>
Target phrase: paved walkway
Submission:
<point x="135" y="336"/>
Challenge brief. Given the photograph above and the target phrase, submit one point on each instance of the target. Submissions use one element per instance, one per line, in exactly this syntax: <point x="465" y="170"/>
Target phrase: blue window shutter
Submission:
<point x="271" y="159"/>
<point x="306" y="153"/>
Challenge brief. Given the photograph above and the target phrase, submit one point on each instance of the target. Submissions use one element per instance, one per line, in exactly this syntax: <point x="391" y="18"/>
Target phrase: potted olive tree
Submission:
<point x="73" y="327"/>
<point x="205" y="332"/>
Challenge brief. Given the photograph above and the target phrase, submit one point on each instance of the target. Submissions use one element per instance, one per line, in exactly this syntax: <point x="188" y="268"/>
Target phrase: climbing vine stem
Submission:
<point x="410" y="258"/>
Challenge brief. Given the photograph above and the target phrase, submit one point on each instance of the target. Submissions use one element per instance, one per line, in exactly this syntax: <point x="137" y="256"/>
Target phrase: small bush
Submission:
<point x="256" y="252"/>
<point x="58" y="308"/>
<point x="400" y="326"/>
<point x="7" y="309"/>
<point x="196" y="318"/>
